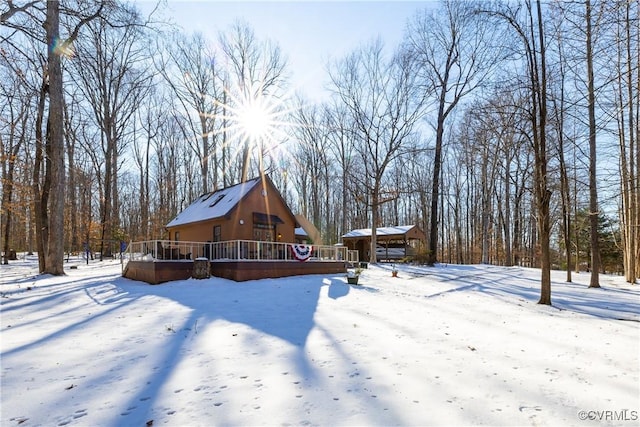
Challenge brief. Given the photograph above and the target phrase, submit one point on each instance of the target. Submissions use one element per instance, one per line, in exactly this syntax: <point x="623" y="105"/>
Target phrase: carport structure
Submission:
<point x="393" y="243"/>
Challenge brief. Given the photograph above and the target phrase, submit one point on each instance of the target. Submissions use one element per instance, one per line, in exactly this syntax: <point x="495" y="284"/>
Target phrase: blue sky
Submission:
<point x="308" y="32"/>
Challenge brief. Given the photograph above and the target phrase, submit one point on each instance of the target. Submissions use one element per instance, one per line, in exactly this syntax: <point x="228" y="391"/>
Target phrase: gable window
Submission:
<point x="217" y="233"/>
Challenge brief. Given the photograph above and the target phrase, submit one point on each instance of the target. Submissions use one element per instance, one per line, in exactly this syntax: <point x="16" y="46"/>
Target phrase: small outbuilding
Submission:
<point x="392" y="243"/>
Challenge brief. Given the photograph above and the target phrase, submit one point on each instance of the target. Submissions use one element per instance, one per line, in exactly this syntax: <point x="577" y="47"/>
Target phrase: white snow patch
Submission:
<point x="447" y="345"/>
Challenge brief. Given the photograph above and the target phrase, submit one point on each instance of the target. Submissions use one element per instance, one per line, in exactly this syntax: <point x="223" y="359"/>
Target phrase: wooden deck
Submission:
<point x="159" y="271"/>
<point x="165" y="271"/>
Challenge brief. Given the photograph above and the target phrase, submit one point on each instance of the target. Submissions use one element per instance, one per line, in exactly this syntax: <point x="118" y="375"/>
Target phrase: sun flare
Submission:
<point x="260" y="120"/>
<point x="255" y="120"/>
<point x="257" y="126"/>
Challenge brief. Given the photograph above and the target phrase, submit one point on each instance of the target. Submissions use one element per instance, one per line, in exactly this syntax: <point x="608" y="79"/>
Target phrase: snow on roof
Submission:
<point x="300" y="231"/>
<point x="381" y="231"/>
<point x="215" y="204"/>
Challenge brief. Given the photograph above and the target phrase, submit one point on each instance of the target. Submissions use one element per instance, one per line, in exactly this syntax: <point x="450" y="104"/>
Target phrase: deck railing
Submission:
<point x="237" y="250"/>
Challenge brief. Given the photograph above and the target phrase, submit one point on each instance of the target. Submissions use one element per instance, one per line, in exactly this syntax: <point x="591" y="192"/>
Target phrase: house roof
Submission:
<point x="381" y="231"/>
<point x="214" y="205"/>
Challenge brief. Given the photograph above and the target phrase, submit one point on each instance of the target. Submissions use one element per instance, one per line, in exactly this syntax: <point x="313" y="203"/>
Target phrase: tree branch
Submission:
<point x="13" y="9"/>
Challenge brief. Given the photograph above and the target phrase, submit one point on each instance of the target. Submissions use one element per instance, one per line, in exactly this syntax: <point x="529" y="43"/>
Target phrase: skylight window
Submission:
<point x="216" y="200"/>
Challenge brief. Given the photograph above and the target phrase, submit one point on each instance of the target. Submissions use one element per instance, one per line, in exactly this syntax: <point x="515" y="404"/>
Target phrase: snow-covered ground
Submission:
<point x="449" y="345"/>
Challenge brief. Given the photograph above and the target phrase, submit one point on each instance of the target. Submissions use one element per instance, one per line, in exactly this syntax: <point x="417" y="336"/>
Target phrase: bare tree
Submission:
<point x="312" y="162"/>
<point x="55" y="145"/>
<point x="487" y="140"/>
<point x="456" y="55"/>
<point x="626" y="99"/>
<point x="256" y="71"/>
<point x="559" y="114"/>
<point x="51" y="210"/>
<point x="14" y="132"/>
<point x="111" y="67"/>
<point x="197" y="87"/>
<point x="528" y="25"/>
<point x="582" y="35"/>
<point x="593" y="187"/>
<point x="170" y="198"/>
<point x="341" y="144"/>
<point x="152" y="118"/>
<point x="385" y="104"/>
<point x="73" y="122"/>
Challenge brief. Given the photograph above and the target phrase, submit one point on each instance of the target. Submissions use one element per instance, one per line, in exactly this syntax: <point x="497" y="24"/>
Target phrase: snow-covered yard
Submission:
<point x="449" y="345"/>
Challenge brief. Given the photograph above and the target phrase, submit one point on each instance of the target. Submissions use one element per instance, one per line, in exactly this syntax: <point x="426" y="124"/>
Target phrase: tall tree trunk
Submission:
<point x="575" y="231"/>
<point x="115" y="206"/>
<point x="39" y="196"/>
<point x="443" y="227"/>
<point x="565" y="193"/>
<point x="204" y="162"/>
<point x="246" y="159"/>
<point x="542" y="192"/>
<point x="635" y="220"/>
<point x="630" y="178"/>
<point x="226" y="162"/>
<point x="146" y="193"/>
<point x="507" y="215"/>
<point x="345" y="185"/>
<point x="486" y="192"/>
<point x="432" y="254"/>
<point x="7" y="195"/>
<point x="55" y="143"/>
<point x="593" y="187"/>
<point x="566" y="208"/>
<point x="72" y="184"/>
<point x="8" y="172"/>
<point x="517" y="230"/>
<point x="375" y="202"/>
<point x="459" y="257"/>
<point x="106" y="205"/>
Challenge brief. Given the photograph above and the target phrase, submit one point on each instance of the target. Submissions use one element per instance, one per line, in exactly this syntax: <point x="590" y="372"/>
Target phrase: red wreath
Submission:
<point x="301" y="252"/>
